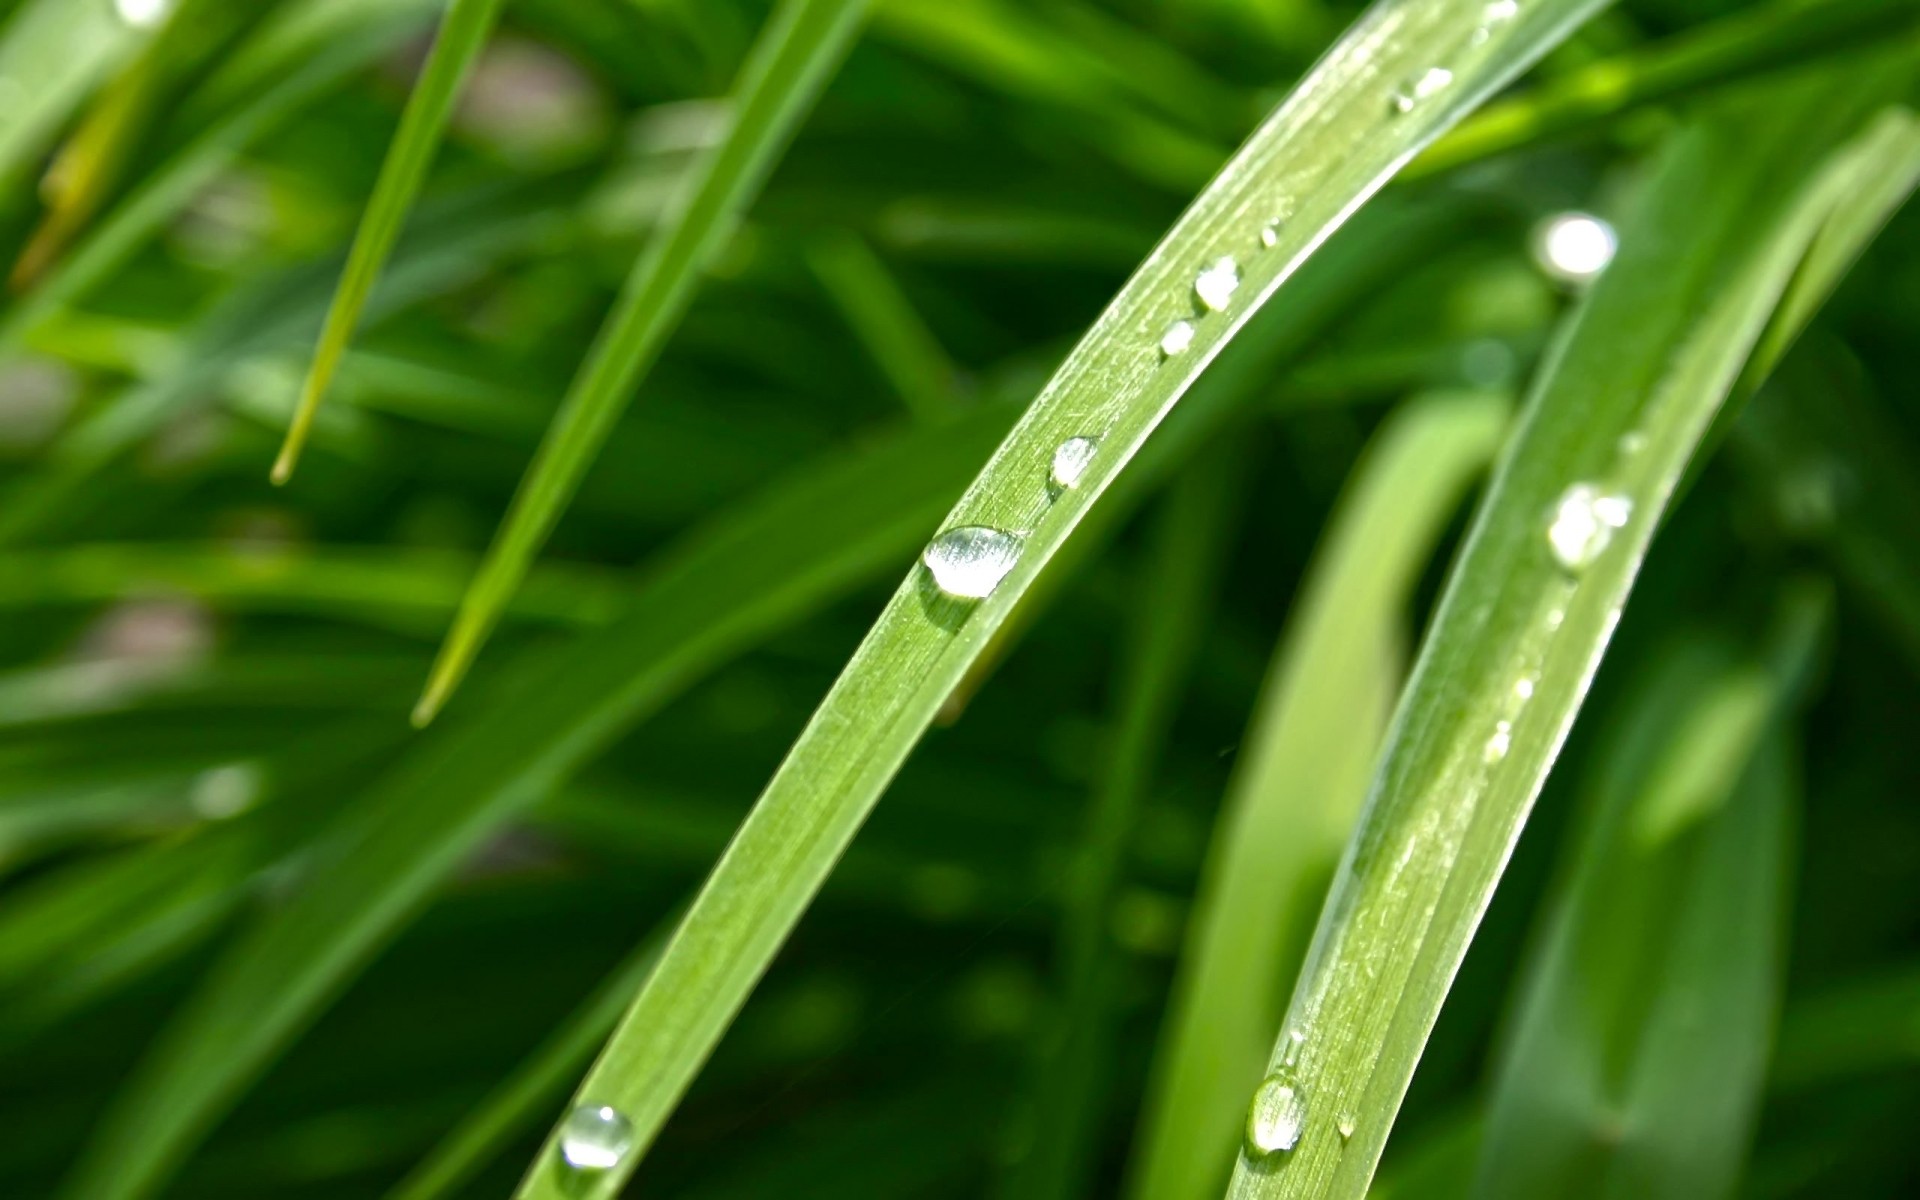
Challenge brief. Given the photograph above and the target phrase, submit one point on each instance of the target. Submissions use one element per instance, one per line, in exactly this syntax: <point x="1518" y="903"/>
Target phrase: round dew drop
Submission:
<point x="1177" y="338"/>
<point x="1216" y="284"/>
<point x="595" y="1137"/>
<point x="969" y="561"/>
<point x="1583" y="524"/>
<point x="1070" y="461"/>
<point x="1275" y="1120"/>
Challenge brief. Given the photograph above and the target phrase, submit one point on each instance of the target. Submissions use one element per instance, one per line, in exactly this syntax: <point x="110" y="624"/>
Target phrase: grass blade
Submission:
<point x="798" y="52"/>
<point x="53" y="53"/>
<point x="1354" y="120"/>
<point x="1639" y="1044"/>
<point x="884" y="319"/>
<point x="1660" y="341"/>
<point x="1303" y="772"/>
<point x="463" y="33"/>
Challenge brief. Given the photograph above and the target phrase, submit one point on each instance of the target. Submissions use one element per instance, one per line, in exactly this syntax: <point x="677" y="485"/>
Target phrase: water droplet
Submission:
<point x="1070" y="461"/>
<point x="1430" y="82"/>
<point x="142" y="14"/>
<point x="1523" y="688"/>
<point x="1270" y="234"/>
<point x="969" y="561"/>
<point x="1216" y="284"/>
<point x="1555" y="617"/>
<point x="1498" y="745"/>
<point x="1290" y="1056"/>
<point x="1494" y="15"/>
<point x="1346" y="1126"/>
<point x="1574" y="247"/>
<point x="1177" y="338"/>
<point x="1583" y="524"/>
<point x="595" y="1137"/>
<point x="1274" y="1121"/>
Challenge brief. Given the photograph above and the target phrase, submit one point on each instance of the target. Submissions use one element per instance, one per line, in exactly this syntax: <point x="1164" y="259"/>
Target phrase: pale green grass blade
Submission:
<point x="1302" y="774"/>
<point x="797" y="53"/>
<point x="523" y="1096"/>
<point x="1070" y="1096"/>
<point x="880" y="314"/>
<point x="1372" y="102"/>
<point x="53" y="53"/>
<point x="750" y="572"/>
<point x="463" y="32"/>
<point x="1661" y="339"/>
<point x="1638" y="1047"/>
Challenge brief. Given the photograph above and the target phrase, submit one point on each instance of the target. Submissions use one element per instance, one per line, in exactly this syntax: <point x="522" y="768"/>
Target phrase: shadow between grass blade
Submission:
<point x="798" y="51"/>
<point x="1654" y="350"/>
<point x="1372" y="102"/>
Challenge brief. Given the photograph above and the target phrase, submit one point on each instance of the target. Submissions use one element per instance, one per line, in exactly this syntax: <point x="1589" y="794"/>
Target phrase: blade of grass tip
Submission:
<point x="798" y="51"/>
<point x="779" y="557"/>
<point x="1071" y="1091"/>
<point x="1372" y="102"/>
<point x="519" y="1100"/>
<point x="1637" y="1050"/>
<point x="1748" y="43"/>
<point x="1655" y="347"/>
<point x="53" y="53"/>
<point x="463" y="33"/>
<point x="886" y="323"/>
<point x="1302" y="773"/>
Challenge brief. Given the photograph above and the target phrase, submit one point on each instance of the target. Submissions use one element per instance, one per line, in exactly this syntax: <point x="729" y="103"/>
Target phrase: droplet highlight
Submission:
<point x="1498" y="744"/>
<point x="1523" y="688"/>
<point x="595" y="1137"/>
<point x="1276" y="1118"/>
<point x="1071" y="459"/>
<point x="1430" y="82"/>
<point x="1270" y="235"/>
<point x="1574" y="247"/>
<point x="1177" y="338"/>
<point x="1216" y="284"/>
<point x="1583" y="524"/>
<point x="969" y="561"/>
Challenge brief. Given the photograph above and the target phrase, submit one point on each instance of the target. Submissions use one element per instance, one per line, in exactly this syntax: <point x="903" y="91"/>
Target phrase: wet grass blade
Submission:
<point x="797" y="53"/>
<point x="1373" y="101"/>
<point x="1302" y="774"/>
<point x="1638" y="1047"/>
<point x="1611" y="425"/>
<point x="463" y="33"/>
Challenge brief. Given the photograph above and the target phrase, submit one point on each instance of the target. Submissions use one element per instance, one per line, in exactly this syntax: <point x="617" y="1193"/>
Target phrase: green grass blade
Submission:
<point x="1660" y="341"/>
<point x="53" y="53"/>
<point x="798" y="52"/>
<point x="885" y="321"/>
<point x="1330" y="146"/>
<point x="1073" y="1084"/>
<point x="1639" y="1044"/>
<point x="463" y="33"/>
<point x="750" y="572"/>
<point x="1859" y="1027"/>
<point x="1302" y="774"/>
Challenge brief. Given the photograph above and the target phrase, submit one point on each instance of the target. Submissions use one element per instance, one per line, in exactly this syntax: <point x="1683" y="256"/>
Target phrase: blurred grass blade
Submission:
<point x="1071" y="1094"/>
<point x="1613" y="422"/>
<point x="53" y="53"/>
<point x="884" y="320"/>
<point x="1302" y="773"/>
<point x="1860" y="1027"/>
<point x="463" y="33"/>
<point x="1638" y="1047"/>
<point x="1374" y="100"/>
<point x="781" y="556"/>
<point x="520" y="1099"/>
<point x="797" y="53"/>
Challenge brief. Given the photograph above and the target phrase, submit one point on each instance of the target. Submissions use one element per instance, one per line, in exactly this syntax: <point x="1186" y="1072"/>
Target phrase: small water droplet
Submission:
<point x="1523" y="688"/>
<point x="1346" y="1126"/>
<point x="1555" y="617"/>
<point x="1290" y="1055"/>
<point x="1270" y="234"/>
<point x="1070" y="461"/>
<point x="1499" y="743"/>
<point x="1494" y="15"/>
<point x="595" y="1137"/>
<point x="1429" y="82"/>
<point x="969" y="561"/>
<point x="1274" y="1121"/>
<point x="142" y="14"/>
<point x="1632" y="443"/>
<point x="1573" y="247"/>
<point x="1177" y="338"/>
<point x="1583" y="524"/>
<point x="1216" y="284"/>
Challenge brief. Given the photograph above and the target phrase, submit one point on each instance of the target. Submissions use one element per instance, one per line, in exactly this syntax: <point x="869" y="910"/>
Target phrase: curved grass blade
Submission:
<point x="1639" y="1044"/>
<point x="1354" y="120"/>
<point x="797" y="53"/>
<point x="750" y="572"/>
<point x="1660" y="341"/>
<point x="1302" y="774"/>
<point x="463" y="32"/>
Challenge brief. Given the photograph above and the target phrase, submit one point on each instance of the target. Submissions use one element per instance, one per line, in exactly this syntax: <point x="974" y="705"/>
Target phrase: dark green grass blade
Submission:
<point x="1328" y="148"/>
<point x="1303" y="771"/>
<point x="1639" y="1044"/>
<point x="1644" y="368"/>
<point x="798" y="52"/>
<point x="463" y="33"/>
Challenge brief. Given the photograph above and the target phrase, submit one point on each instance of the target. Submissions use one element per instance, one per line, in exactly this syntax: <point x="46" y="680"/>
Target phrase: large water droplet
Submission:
<point x="1177" y="338"/>
<point x="1070" y="461"/>
<point x="1275" y="1120"/>
<point x="969" y="561"/>
<point x="1583" y="524"/>
<point x="1216" y="284"/>
<point x="1429" y="82"/>
<point x="595" y="1138"/>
